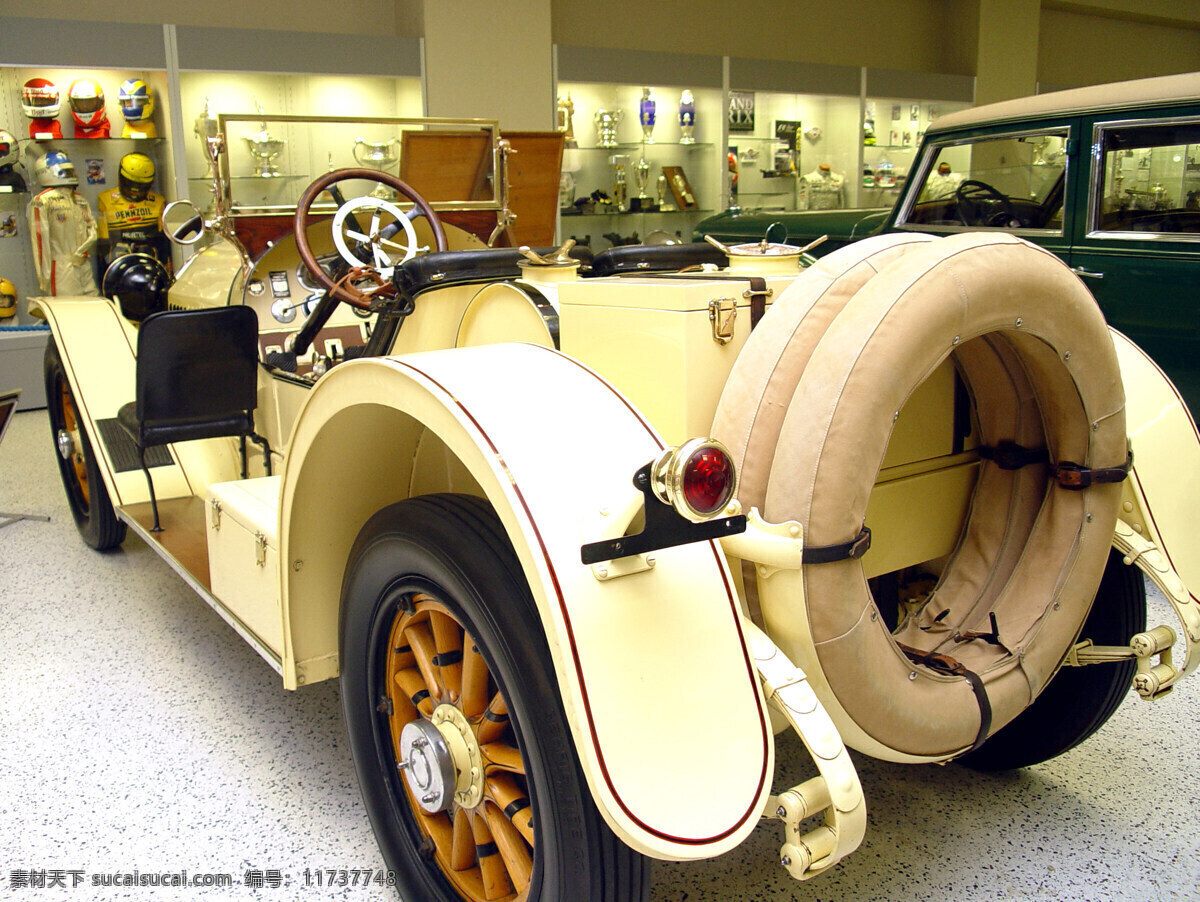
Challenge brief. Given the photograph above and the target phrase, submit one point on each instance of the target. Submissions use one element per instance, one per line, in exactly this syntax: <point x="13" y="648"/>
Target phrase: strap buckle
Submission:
<point x="1071" y="475"/>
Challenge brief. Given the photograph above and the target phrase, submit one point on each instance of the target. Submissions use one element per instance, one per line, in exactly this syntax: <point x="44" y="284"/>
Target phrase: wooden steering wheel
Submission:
<point x="374" y="238"/>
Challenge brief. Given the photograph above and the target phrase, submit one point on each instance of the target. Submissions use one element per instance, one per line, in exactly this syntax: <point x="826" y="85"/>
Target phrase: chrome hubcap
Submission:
<point x="66" y="444"/>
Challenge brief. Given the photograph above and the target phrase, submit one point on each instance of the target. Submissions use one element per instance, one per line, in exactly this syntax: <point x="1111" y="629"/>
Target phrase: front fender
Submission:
<point x="654" y="670"/>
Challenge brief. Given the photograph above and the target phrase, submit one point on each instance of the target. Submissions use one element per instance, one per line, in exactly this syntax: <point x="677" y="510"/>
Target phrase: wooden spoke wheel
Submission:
<point x="464" y="756"/>
<point x="87" y="496"/>
<point x="480" y="823"/>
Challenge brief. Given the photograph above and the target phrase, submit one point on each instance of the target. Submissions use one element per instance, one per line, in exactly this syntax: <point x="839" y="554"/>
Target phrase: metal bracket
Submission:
<point x="260" y="549"/>
<point x="836" y="794"/>
<point x="215" y="519"/>
<point x="664" y="529"/>
<point x="1152" y="681"/>
<point x="1150" y="560"/>
<point x="722" y="313"/>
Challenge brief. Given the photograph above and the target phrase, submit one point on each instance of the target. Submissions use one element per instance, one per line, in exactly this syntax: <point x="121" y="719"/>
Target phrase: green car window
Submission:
<point x="1006" y="182"/>
<point x="1150" y="180"/>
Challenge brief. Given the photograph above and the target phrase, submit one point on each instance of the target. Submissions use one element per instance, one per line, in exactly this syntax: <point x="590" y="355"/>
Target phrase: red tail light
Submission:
<point x="698" y="479"/>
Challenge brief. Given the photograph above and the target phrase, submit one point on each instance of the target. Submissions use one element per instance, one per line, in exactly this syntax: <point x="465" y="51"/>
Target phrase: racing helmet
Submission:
<point x="8" y="149"/>
<point x="8" y="299"/>
<point x="135" y="175"/>
<point x="40" y="99"/>
<point x="55" y="168"/>
<point x="137" y="102"/>
<point x="86" y="99"/>
<point x="138" y="283"/>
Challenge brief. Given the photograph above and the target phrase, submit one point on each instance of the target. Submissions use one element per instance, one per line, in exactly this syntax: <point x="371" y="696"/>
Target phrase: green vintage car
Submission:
<point x="1106" y="177"/>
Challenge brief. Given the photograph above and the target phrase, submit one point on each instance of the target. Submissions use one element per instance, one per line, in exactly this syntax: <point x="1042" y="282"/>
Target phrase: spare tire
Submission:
<point x="1034" y="353"/>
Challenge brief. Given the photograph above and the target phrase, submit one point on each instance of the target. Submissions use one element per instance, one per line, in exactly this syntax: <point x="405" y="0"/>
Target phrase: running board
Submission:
<point x="198" y="584"/>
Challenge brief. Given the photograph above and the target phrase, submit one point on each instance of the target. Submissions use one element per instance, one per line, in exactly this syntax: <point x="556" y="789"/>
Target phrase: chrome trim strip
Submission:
<point x="225" y="614"/>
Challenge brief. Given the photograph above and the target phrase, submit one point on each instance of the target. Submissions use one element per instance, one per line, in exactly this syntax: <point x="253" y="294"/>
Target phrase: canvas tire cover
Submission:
<point x="1035" y="355"/>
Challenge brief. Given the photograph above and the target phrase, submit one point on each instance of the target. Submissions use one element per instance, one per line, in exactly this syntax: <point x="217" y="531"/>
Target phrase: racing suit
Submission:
<point x="62" y="230"/>
<point x="130" y="227"/>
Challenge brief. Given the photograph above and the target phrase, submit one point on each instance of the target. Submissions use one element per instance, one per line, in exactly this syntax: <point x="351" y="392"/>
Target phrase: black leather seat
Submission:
<point x="197" y="377"/>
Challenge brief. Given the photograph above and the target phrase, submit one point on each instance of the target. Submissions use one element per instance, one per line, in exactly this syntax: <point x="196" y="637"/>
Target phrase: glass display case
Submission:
<point x="892" y="130"/>
<point x="96" y="160"/>
<point x="643" y="162"/>
<point x="245" y="98"/>
<point x="800" y="154"/>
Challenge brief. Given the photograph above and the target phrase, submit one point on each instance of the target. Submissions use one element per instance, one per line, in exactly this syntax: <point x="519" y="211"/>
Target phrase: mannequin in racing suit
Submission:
<point x="823" y="189"/>
<point x="63" y="231"/>
<point x="129" y="214"/>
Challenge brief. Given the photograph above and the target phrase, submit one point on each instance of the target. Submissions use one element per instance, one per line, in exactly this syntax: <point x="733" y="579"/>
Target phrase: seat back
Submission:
<point x="196" y="365"/>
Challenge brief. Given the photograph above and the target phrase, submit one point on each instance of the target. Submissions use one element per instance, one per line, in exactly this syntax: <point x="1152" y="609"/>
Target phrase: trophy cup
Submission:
<point x="687" y="117"/>
<point x="606" y="127"/>
<point x="264" y="149"/>
<point x="663" y="203"/>
<point x="378" y="155"/>
<point x="646" y="110"/>
<point x="566" y="109"/>
<point x="205" y="128"/>
<point x="620" y="165"/>
<point x="641" y="175"/>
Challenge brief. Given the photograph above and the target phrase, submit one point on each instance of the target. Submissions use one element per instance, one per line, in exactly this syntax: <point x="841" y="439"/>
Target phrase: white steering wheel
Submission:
<point x="385" y="252"/>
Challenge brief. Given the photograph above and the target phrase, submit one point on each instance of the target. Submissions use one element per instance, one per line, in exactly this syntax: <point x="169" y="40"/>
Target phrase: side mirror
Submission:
<point x="182" y="222"/>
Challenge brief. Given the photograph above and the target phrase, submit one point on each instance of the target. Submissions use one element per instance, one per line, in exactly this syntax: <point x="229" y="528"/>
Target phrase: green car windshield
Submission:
<point x="1008" y="182"/>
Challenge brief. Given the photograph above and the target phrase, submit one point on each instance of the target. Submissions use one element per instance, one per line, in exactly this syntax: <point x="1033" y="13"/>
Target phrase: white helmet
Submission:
<point x="40" y="99"/>
<point x="55" y="168"/>
<point x="8" y="148"/>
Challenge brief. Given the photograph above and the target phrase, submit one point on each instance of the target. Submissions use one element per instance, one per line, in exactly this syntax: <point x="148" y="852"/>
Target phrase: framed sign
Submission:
<point x="741" y="111"/>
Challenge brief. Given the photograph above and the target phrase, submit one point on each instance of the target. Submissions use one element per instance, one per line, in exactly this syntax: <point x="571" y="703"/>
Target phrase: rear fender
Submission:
<point x="1160" y="504"/>
<point x="656" y="678"/>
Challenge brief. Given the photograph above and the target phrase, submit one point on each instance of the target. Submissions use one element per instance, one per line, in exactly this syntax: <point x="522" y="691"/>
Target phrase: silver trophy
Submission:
<point x="607" y="122"/>
<point x="378" y="155"/>
<point x="264" y="148"/>
<point x="206" y="127"/>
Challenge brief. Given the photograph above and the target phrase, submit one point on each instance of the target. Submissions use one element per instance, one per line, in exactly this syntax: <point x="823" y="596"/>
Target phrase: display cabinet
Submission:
<point x="96" y="160"/>
<point x="892" y="130"/>
<point x="270" y="176"/>
<point x="781" y="142"/>
<point x="625" y="182"/>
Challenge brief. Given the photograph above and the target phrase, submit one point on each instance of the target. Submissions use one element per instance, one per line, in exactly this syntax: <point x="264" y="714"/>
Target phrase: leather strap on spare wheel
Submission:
<point x="1037" y="361"/>
<point x="945" y="664"/>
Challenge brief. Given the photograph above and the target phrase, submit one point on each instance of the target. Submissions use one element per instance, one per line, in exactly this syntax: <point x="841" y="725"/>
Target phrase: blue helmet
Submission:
<point x="136" y="99"/>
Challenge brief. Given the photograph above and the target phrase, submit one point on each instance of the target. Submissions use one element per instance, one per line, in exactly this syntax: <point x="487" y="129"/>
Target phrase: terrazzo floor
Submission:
<point x="140" y="733"/>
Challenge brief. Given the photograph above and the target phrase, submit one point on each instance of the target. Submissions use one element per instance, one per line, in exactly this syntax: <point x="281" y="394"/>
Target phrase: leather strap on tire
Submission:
<point x="944" y="664"/>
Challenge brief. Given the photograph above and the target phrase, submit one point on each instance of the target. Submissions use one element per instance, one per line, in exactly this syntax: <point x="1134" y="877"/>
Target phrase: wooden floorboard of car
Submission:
<point x="183" y="533"/>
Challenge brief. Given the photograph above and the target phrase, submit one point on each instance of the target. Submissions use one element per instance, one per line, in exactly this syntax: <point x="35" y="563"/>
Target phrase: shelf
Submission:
<point x="94" y="140"/>
<point x="613" y="215"/>
<point x="638" y="145"/>
<point x="249" y="178"/>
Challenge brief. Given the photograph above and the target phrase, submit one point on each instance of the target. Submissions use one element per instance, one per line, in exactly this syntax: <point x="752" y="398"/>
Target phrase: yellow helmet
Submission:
<point x="135" y="175"/>
<point x="8" y="299"/>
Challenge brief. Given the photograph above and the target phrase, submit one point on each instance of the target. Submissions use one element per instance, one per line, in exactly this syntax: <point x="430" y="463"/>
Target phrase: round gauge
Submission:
<point x="256" y="287"/>
<point x="283" y="310"/>
<point x="310" y="302"/>
<point x="305" y="278"/>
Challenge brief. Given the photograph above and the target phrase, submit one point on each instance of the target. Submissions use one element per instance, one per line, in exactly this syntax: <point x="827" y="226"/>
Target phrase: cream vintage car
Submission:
<point x="544" y="514"/>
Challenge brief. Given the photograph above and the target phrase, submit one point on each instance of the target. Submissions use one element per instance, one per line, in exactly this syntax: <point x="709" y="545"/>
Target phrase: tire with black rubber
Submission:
<point x="436" y="618"/>
<point x="87" y="495"/>
<point x="1078" y="700"/>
